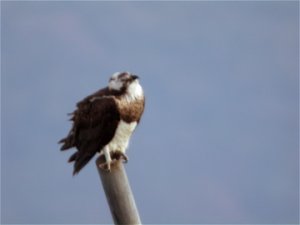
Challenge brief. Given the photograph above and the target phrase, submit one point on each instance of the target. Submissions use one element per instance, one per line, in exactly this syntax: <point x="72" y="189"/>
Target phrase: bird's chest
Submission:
<point x="122" y="135"/>
<point x="130" y="110"/>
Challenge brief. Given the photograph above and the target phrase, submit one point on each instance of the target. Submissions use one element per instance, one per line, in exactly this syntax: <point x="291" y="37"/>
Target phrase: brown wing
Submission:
<point x="94" y="125"/>
<point x="80" y="116"/>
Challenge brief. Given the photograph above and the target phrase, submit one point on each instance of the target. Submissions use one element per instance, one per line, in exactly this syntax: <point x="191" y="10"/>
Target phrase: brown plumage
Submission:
<point x="97" y="117"/>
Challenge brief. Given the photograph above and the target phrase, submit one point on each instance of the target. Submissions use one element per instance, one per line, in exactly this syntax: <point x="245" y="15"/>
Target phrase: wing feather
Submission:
<point x="94" y="123"/>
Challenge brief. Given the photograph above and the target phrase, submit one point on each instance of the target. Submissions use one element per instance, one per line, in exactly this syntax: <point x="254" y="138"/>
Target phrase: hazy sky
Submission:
<point x="218" y="142"/>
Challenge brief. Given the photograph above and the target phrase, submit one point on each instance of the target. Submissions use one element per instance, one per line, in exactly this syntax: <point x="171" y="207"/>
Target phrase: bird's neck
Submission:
<point x="134" y="92"/>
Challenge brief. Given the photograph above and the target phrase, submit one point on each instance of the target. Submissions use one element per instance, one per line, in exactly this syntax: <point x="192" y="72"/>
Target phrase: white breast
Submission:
<point x="121" y="139"/>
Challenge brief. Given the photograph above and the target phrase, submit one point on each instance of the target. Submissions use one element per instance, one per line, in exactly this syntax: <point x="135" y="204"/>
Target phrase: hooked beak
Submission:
<point x="134" y="77"/>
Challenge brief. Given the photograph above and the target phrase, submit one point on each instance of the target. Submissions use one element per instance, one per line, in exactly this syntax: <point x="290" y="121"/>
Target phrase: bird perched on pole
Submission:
<point x="104" y="122"/>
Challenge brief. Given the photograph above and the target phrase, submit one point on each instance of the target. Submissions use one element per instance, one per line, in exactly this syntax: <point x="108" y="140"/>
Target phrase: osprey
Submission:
<point x="104" y="121"/>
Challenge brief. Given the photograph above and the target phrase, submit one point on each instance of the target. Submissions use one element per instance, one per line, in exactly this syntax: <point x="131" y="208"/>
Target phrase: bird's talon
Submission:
<point x="125" y="159"/>
<point x="118" y="155"/>
<point x="105" y="166"/>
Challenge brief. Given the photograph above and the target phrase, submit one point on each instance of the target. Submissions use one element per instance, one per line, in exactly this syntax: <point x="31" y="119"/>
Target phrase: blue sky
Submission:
<point x="218" y="142"/>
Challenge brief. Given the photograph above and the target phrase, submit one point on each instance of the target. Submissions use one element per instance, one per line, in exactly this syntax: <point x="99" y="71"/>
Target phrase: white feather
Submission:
<point x="124" y="130"/>
<point x="115" y="83"/>
<point x="134" y="91"/>
<point x="121" y="138"/>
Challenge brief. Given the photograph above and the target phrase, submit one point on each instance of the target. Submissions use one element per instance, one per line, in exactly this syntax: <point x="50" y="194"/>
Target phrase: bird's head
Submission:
<point x="122" y="81"/>
<point x="126" y="83"/>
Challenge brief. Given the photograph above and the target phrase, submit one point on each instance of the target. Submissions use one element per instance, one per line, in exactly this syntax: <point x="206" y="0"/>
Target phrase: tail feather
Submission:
<point x="81" y="161"/>
<point x="73" y="157"/>
<point x="80" y="157"/>
<point x="68" y="142"/>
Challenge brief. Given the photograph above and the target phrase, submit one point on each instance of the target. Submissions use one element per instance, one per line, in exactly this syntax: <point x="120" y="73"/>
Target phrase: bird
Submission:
<point x="104" y="121"/>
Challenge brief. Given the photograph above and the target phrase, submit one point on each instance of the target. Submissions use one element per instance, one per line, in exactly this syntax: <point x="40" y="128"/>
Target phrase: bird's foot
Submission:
<point x="120" y="155"/>
<point x="112" y="157"/>
<point x="106" y="166"/>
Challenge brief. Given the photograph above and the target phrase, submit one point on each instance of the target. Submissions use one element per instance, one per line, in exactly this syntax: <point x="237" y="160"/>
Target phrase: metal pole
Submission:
<point x="118" y="193"/>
